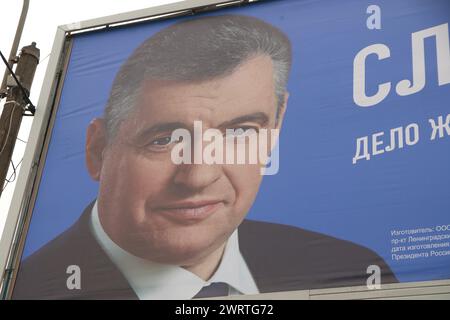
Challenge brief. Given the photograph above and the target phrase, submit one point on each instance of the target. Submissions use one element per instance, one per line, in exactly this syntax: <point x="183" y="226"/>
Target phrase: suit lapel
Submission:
<point x="101" y="278"/>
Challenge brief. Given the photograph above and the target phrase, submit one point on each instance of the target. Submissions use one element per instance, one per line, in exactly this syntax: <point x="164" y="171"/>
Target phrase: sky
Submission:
<point x="44" y="16"/>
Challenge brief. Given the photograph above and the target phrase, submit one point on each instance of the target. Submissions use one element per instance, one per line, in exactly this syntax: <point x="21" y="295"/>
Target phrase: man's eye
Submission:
<point x="164" y="141"/>
<point x="161" y="141"/>
<point x="241" y="131"/>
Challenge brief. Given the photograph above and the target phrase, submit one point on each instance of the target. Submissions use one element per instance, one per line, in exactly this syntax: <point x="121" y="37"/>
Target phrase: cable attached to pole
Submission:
<point x="29" y="107"/>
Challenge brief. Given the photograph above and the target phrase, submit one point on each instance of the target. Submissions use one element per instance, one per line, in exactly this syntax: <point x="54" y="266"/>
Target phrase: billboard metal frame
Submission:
<point x="20" y="211"/>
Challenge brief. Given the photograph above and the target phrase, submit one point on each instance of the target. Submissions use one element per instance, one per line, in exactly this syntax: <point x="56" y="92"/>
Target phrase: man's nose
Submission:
<point x="197" y="176"/>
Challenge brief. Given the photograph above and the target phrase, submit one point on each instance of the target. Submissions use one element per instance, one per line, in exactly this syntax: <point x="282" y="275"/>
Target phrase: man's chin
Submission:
<point x="176" y="254"/>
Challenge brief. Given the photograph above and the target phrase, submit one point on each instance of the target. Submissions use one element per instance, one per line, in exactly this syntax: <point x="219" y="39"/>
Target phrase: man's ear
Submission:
<point x="282" y="111"/>
<point x="95" y="146"/>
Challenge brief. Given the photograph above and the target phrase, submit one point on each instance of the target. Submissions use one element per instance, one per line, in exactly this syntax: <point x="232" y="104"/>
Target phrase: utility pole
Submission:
<point x="15" y="105"/>
<point x="15" y="46"/>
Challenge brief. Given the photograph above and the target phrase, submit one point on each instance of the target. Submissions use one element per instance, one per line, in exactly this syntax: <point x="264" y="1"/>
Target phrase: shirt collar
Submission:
<point x="152" y="281"/>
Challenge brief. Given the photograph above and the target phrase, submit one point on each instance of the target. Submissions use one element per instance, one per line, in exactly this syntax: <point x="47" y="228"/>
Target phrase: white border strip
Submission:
<point x="32" y="150"/>
<point x="147" y="13"/>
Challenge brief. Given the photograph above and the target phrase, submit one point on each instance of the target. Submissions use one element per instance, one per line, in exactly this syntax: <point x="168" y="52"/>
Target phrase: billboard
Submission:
<point x="276" y="146"/>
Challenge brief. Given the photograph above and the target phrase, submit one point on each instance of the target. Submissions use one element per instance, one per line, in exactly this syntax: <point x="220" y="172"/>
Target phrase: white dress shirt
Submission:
<point x="152" y="281"/>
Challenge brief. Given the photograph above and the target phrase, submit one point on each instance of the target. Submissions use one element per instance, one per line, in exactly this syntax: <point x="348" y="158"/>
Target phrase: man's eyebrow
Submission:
<point x="259" y="117"/>
<point x="161" y="127"/>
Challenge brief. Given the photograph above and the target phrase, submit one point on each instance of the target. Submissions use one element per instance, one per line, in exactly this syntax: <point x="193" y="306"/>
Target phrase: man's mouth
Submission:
<point x="186" y="211"/>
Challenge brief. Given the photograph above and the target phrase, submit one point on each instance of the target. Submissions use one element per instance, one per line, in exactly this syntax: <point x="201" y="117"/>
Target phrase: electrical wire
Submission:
<point x="45" y="58"/>
<point x="25" y="95"/>
<point x="8" y="180"/>
<point x="13" y="174"/>
<point x="10" y="123"/>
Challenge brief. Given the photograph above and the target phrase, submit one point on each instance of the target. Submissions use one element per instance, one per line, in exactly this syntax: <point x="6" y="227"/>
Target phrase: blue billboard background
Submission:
<point x="318" y="187"/>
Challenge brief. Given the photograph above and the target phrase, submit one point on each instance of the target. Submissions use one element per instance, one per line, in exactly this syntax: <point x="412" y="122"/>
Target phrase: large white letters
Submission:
<point x="404" y="87"/>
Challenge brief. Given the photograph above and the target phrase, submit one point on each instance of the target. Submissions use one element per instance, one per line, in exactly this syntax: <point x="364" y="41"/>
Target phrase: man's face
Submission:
<point x="179" y="214"/>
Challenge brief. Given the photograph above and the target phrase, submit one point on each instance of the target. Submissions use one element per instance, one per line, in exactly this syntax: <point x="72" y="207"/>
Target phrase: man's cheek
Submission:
<point x="149" y="172"/>
<point x="246" y="194"/>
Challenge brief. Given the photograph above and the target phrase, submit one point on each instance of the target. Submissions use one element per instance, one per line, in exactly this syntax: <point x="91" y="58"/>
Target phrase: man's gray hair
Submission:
<point x="196" y="50"/>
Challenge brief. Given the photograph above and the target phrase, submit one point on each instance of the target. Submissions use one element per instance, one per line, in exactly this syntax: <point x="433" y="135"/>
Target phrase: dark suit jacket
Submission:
<point x="280" y="258"/>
